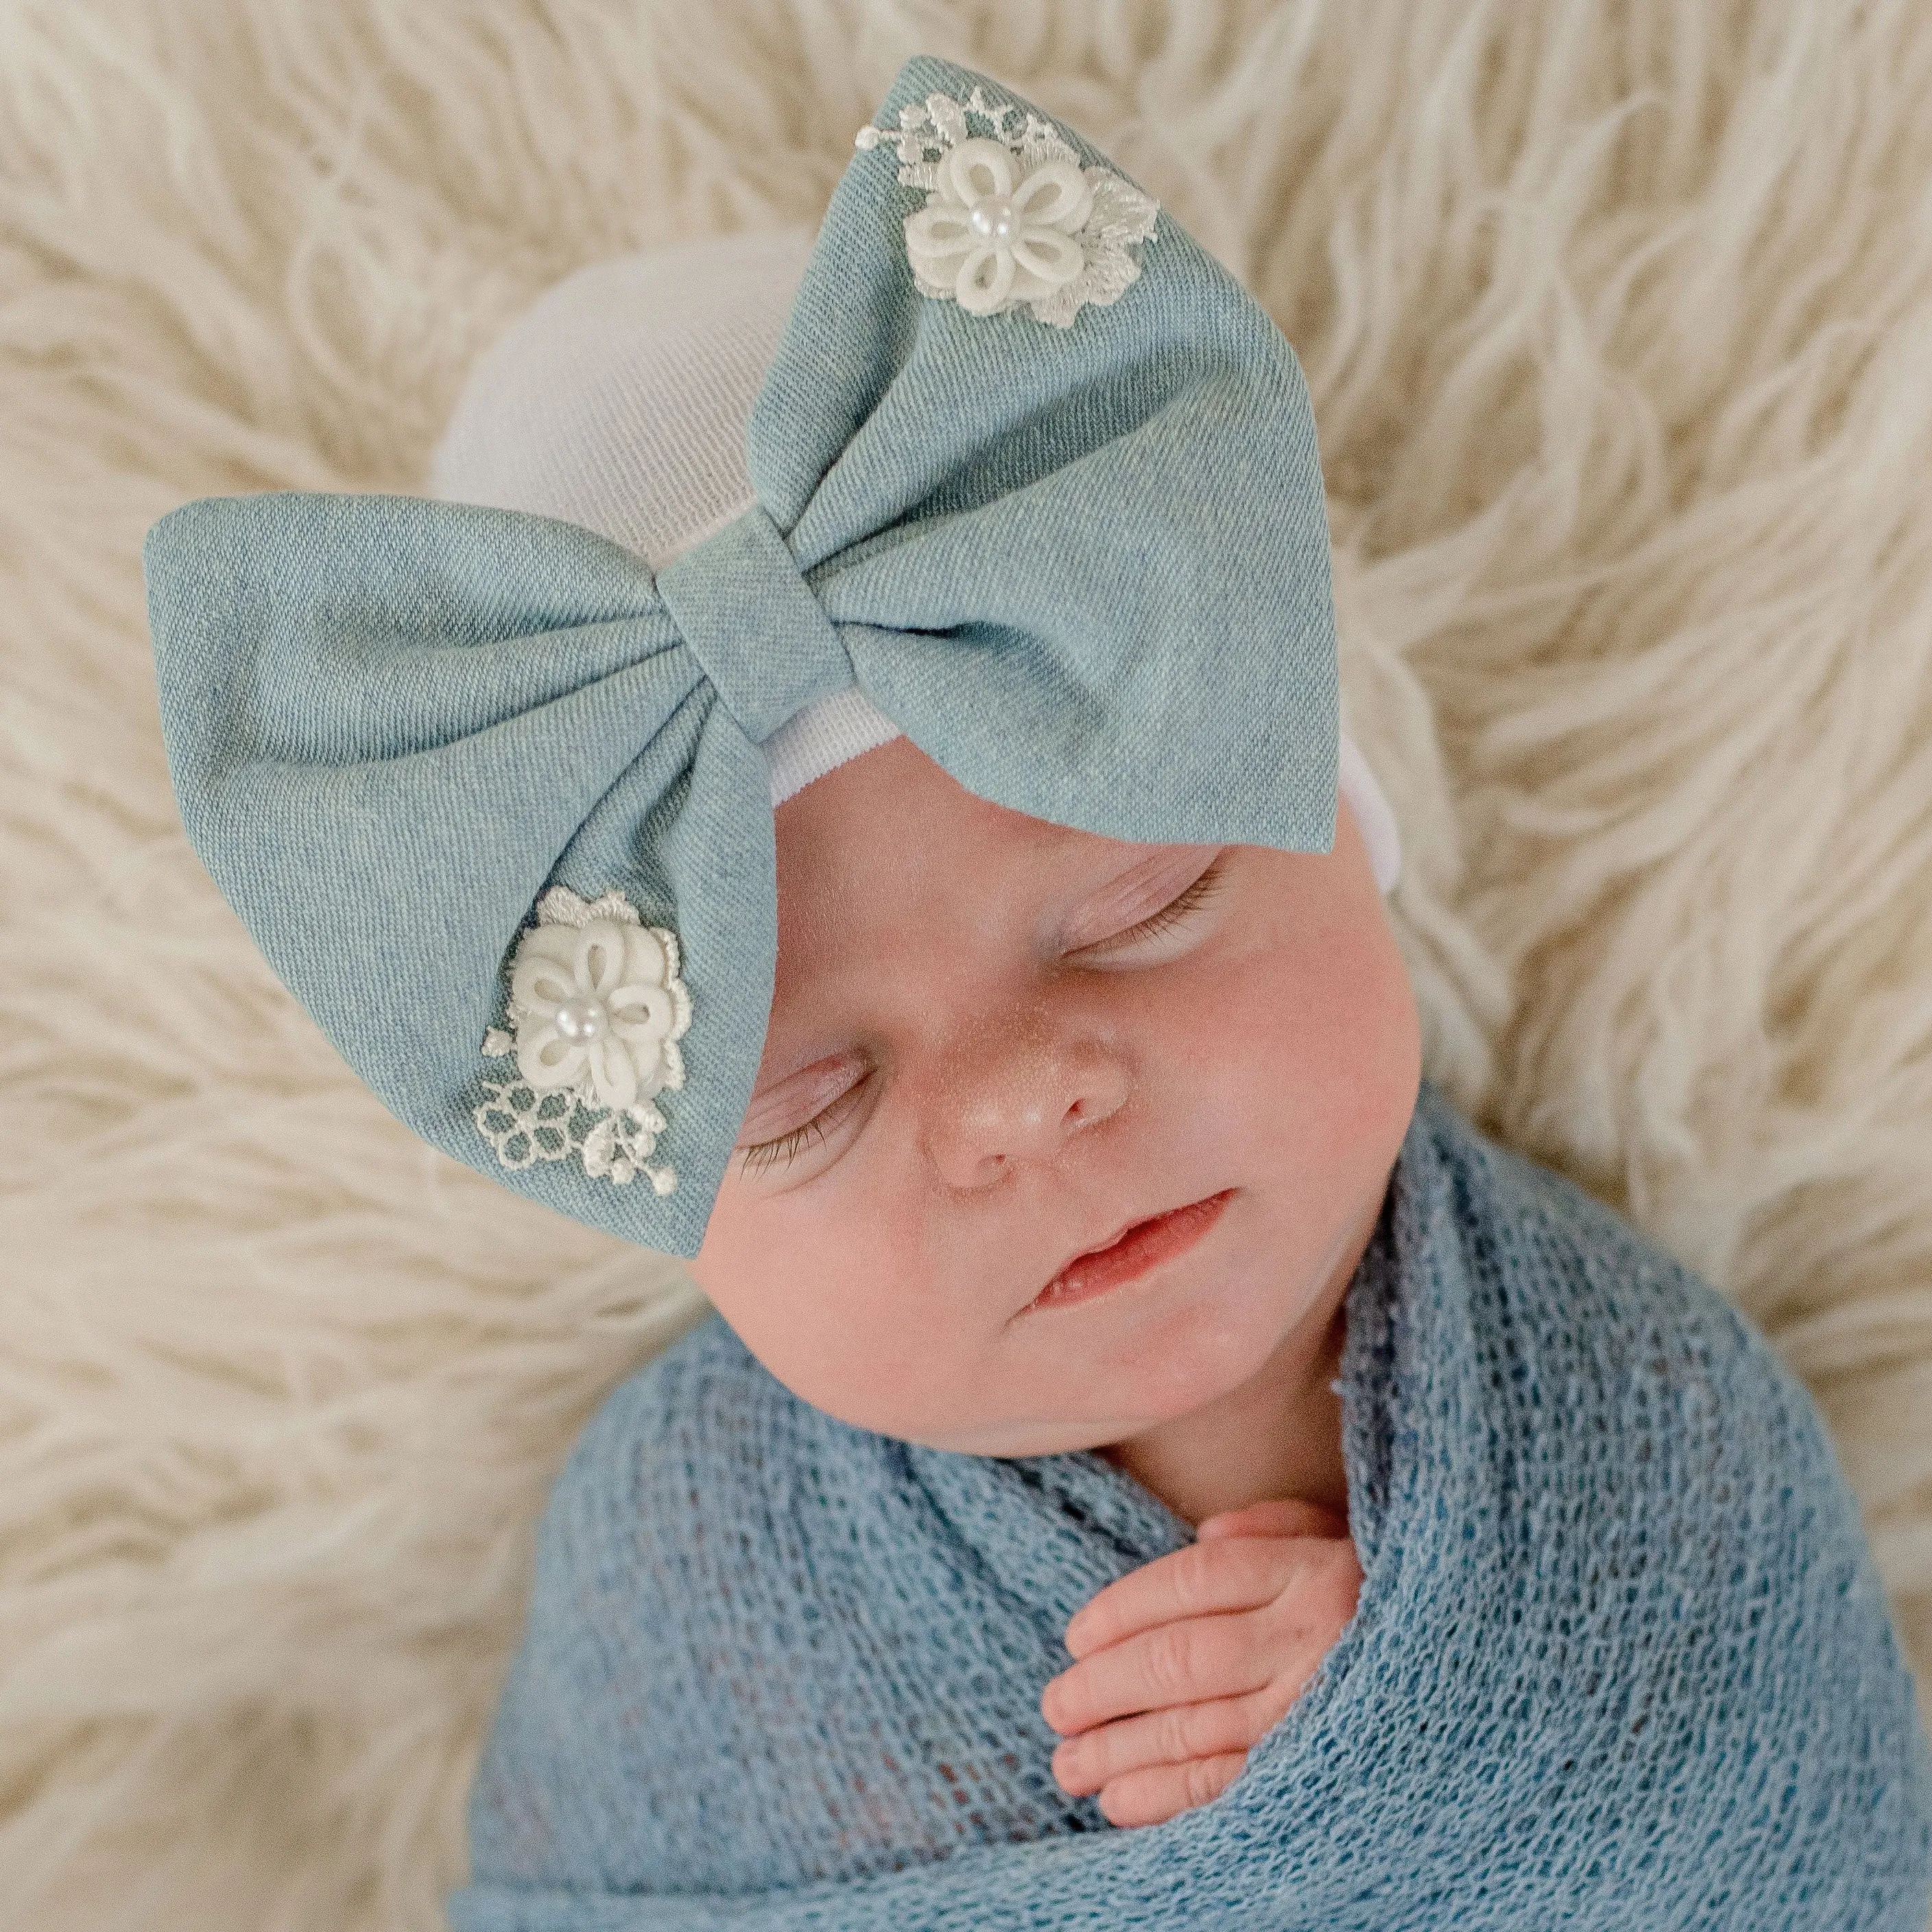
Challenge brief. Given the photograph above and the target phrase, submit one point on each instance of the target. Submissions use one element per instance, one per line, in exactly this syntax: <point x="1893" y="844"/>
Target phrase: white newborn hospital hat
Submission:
<point x="619" y="401"/>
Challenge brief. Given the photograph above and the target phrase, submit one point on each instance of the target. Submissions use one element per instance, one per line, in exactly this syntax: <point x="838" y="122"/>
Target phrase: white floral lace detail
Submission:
<point x="1010" y="215"/>
<point x="595" y="1011"/>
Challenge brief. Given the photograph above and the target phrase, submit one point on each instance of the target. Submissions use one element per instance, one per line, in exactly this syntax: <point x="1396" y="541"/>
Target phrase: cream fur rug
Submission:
<point x="1616" y="318"/>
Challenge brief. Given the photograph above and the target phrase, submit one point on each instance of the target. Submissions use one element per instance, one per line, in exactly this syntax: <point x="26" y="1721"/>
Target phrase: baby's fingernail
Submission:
<point x="1045" y="1698"/>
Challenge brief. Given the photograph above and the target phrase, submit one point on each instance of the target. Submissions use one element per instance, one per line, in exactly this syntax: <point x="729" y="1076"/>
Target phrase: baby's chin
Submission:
<point x="1083" y="1387"/>
<point x="1172" y="1389"/>
<point x="1175" y="1386"/>
<point x="1099" y="1373"/>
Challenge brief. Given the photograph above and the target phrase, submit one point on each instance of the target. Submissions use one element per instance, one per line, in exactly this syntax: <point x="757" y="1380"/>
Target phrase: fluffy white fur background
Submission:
<point x="1616" y="318"/>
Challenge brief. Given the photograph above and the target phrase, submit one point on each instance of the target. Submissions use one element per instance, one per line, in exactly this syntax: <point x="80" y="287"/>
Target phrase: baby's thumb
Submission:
<point x="1285" y="1516"/>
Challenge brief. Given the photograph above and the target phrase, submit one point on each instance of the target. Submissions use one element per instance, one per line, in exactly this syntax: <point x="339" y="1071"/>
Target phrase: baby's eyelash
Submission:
<point x="1170" y="915"/>
<point x="762" y="1156"/>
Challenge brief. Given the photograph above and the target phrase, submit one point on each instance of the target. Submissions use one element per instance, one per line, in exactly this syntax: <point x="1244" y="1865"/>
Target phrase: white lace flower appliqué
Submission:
<point x="1010" y="215"/>
<point x="596" y="1010"/>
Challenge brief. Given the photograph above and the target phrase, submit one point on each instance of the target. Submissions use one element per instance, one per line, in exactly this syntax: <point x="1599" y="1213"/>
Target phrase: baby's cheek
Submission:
<point x="826" y="1288"/>
<point x="1307" y="1040"/>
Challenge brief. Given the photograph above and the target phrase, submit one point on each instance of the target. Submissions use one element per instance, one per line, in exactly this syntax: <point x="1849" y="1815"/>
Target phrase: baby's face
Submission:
<point x="996" y="1046"/>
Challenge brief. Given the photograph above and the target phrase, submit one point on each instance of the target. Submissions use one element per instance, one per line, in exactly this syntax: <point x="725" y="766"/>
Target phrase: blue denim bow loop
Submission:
<point x="1085" y="568"/>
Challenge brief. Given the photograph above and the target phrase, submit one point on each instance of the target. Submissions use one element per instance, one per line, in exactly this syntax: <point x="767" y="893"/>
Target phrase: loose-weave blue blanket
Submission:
<point x="1620" y="1658"/>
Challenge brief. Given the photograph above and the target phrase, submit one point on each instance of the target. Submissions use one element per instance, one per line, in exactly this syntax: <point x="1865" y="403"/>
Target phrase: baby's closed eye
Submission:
<point x="1097" y="940"/>
<point x="803" y="1110"/>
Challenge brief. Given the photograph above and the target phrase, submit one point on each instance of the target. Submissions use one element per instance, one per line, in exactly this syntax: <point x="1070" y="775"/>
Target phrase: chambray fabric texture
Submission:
<point x="1085" y="569"/>
<point x="1622" y="1659"/>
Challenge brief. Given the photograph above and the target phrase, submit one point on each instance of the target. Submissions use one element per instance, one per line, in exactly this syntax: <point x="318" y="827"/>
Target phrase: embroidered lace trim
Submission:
<point x="992" y="243"/>
<point x="595" y="1011"/>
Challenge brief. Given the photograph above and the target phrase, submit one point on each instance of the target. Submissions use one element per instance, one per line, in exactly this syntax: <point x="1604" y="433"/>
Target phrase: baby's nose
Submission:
<point x="1017" y="1094"/>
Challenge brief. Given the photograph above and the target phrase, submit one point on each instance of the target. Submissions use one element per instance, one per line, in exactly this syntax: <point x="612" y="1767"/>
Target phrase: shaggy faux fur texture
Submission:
<point x="1615" y="319"/>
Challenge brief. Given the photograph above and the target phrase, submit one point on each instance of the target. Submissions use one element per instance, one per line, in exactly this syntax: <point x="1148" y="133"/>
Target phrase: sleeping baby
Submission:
<point x="844" y="782"/>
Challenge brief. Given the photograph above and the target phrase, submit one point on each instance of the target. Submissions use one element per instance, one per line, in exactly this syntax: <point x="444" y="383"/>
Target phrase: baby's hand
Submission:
<point x="1185" y="1662"/>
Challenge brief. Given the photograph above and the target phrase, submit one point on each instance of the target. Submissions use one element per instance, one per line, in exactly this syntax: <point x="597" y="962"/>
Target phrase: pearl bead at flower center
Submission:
<point x="993" y="219"/>
<point x="582" y="1019"/>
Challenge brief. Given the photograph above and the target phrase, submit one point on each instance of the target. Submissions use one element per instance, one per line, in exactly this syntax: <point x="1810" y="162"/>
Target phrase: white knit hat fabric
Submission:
<point x="620" y="400"/>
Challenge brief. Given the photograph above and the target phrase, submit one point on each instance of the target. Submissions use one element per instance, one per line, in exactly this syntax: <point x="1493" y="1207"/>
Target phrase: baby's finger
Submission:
<point x="1152" y="1796"/>
<point x="1201" y="1580"/>
<point x="1182" y="1662"/>
<point x="1286" y="1517"/>
<point x="1097" y="1757"/>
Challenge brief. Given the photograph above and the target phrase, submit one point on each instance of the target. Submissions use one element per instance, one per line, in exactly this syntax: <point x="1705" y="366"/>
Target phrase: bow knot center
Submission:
<point x="754" y="624"/>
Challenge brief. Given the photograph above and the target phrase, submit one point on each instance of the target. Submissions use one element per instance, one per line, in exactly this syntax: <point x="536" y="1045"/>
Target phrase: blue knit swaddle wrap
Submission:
<point x="1621" y="1658"/>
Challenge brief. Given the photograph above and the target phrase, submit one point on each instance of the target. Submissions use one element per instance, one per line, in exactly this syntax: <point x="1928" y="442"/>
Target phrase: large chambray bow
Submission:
<point x="1085" y="568"/>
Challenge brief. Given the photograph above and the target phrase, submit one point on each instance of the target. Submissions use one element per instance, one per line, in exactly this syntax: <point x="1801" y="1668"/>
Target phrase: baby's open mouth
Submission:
<point x="1137" y="1248"/>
